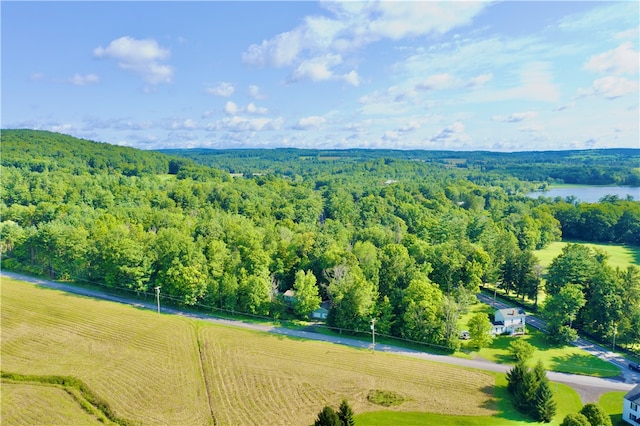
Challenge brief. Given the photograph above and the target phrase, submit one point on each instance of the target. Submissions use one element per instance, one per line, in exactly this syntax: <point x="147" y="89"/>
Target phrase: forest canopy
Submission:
<point x="406" y="237"/>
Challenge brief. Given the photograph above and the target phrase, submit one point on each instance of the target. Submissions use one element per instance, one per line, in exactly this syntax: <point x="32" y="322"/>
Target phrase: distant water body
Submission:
<point x="589" y="194"/>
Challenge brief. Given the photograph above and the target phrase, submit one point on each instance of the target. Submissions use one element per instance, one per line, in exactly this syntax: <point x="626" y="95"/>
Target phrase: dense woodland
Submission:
<point x="406" y="237"/>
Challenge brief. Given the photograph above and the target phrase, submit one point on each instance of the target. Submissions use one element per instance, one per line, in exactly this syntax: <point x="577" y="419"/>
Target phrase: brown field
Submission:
<point x="29" y="404"/>
<point x="162" y="369"/>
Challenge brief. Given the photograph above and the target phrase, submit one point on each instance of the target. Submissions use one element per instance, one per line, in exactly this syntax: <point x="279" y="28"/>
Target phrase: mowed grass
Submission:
<point x="564" y="359"/>
<point x="29" y="404"/>
<point x="612" y="403"/>
<point x="567" y="401"/>
<point x="162" y="369"/>
<point x="619" y="255"/>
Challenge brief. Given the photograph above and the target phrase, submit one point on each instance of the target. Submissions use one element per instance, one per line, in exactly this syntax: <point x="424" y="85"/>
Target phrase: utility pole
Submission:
<point x="615" y="331"/>
<point x="373" y="334"/>
<point x="158" y="297"/>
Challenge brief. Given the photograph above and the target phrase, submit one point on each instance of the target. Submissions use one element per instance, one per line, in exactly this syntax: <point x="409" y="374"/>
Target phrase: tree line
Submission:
<point x="406" y="242"/>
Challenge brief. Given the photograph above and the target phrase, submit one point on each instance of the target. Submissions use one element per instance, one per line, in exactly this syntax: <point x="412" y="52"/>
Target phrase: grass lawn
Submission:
<point x="165" y="369"/>
<point x="567" y="400"/>
<point x="612" y="402"/>
<point x="565" y="359"/>
<point x="619" y="255"/>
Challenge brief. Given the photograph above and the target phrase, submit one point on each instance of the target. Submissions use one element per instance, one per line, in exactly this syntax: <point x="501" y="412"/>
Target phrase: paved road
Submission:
<point x="628" y="375"/>
<point x="587" y="387"/>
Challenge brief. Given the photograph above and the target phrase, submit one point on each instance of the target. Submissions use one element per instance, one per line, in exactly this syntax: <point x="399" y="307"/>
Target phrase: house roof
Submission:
<point x="512" y="312"/>
<point x="290" y="293"/>
<point x="633" y="395"/>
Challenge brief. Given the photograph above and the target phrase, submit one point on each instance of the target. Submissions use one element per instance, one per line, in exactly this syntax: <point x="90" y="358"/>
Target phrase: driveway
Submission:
<point x="628" y="375"/>
<point x="588" y="387"/>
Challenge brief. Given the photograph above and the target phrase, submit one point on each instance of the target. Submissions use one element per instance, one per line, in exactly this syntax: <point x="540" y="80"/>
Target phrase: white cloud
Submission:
<point x="253" y="109"/>
<point x="451" y="135"/>
<point x="313" y="122"/>
<point x="516" y="117"/>
<point x="36" y="76"/>
<point x="436" y="82"/>
<point x="83" y="80"/>
<point x="230" y="108"/>
<point x="621" y="60"/>
<point x="313" y="46"/>
<point x="610" y="87"/>
<point x="480" y="80"/>
<point x="184" y="124"/>
<point x="243" y="124"/>
<point x="317" y="69"/>
<point x="140" y="56"/>
<point x="352" y="78"/>
<point x="255" y="92"/>
<point x="223" y="89"/>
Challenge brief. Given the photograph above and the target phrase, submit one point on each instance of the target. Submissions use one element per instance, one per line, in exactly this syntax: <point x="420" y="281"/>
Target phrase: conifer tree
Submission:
<point x="327" y="417"/>
<point x="345" y="413"/>
<point x="545" y="406"/>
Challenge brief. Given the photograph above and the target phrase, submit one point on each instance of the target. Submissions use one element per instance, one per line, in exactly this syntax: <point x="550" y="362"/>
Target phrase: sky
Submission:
<point x="453" y="75"/>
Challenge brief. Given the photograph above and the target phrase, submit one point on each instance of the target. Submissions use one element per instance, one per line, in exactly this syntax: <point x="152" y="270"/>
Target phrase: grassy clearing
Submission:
<point x="143" y="364"/>
<point x="612" y="403"/>
<point x="619" y="255"/>
<point x="32" y="404"/>
<point x="564" y="359"/>
<point x="567" y="400"/>
<point x="157" y="369"/>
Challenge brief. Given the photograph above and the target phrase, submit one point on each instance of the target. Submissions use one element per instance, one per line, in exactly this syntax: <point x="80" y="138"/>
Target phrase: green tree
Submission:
<point x="422" y="319"/>
<point x="345" y="413"/>
<point x="352" y="298"/>
<point x="307" y="297"/>
<point x="576" y="264"/>
<point x="561" y="310"/>
<point x="596" y="415"/>
<point x="327" y="417"/>
<point x="479" y="329"/>
<point x="575" y="419"/>
<point x="545" y="405"/>
<point x="521" y="350"/>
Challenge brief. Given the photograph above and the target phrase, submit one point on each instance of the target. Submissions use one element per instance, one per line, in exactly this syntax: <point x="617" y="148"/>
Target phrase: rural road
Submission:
<point x="589" y="388"/>
<point x="616" y="359"/>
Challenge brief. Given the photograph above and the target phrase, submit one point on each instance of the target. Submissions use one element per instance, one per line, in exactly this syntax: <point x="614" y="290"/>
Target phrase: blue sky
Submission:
<point x="500" y="76"/>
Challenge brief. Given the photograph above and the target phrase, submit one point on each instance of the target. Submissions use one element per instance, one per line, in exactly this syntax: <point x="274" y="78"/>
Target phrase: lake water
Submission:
<point x="589" y="194"/>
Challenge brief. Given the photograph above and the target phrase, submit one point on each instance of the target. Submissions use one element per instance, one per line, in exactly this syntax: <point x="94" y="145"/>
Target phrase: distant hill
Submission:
<point x="41" y="151"/>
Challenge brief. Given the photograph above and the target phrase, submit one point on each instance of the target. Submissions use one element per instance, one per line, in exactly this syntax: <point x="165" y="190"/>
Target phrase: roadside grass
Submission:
<point x="612" y="403"/>
<point x="165" y="369"/>
<point x="621" y="256"/>
<point x="567" y="401"/>
<point x="34" y="404"/>
<point x="563" y="359"/>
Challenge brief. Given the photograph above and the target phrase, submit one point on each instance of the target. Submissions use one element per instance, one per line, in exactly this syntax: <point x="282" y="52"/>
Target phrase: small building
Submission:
<point x="630" y="412"/>
<point x="289" y="297"/>
<point x="511" y="321"/>
<point x="322" y="312"/>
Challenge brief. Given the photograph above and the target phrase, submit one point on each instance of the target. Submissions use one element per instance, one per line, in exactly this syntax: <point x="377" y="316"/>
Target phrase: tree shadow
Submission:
<point x="579" y="364"/>
<point x="502" y="402"/>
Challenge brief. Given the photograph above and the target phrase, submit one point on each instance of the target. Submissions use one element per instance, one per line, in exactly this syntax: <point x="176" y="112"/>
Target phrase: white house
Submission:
<point x="630" y="411"/>
<point x="511" y="321"/>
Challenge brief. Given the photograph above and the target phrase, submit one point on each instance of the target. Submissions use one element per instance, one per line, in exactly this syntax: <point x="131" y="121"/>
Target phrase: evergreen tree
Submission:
<point x="327" y="417"/>
<point x="515" y="377"/>
<point x="345" y="413"/>
<point x="545" y="406"/>
<point x="596" y="415"/>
